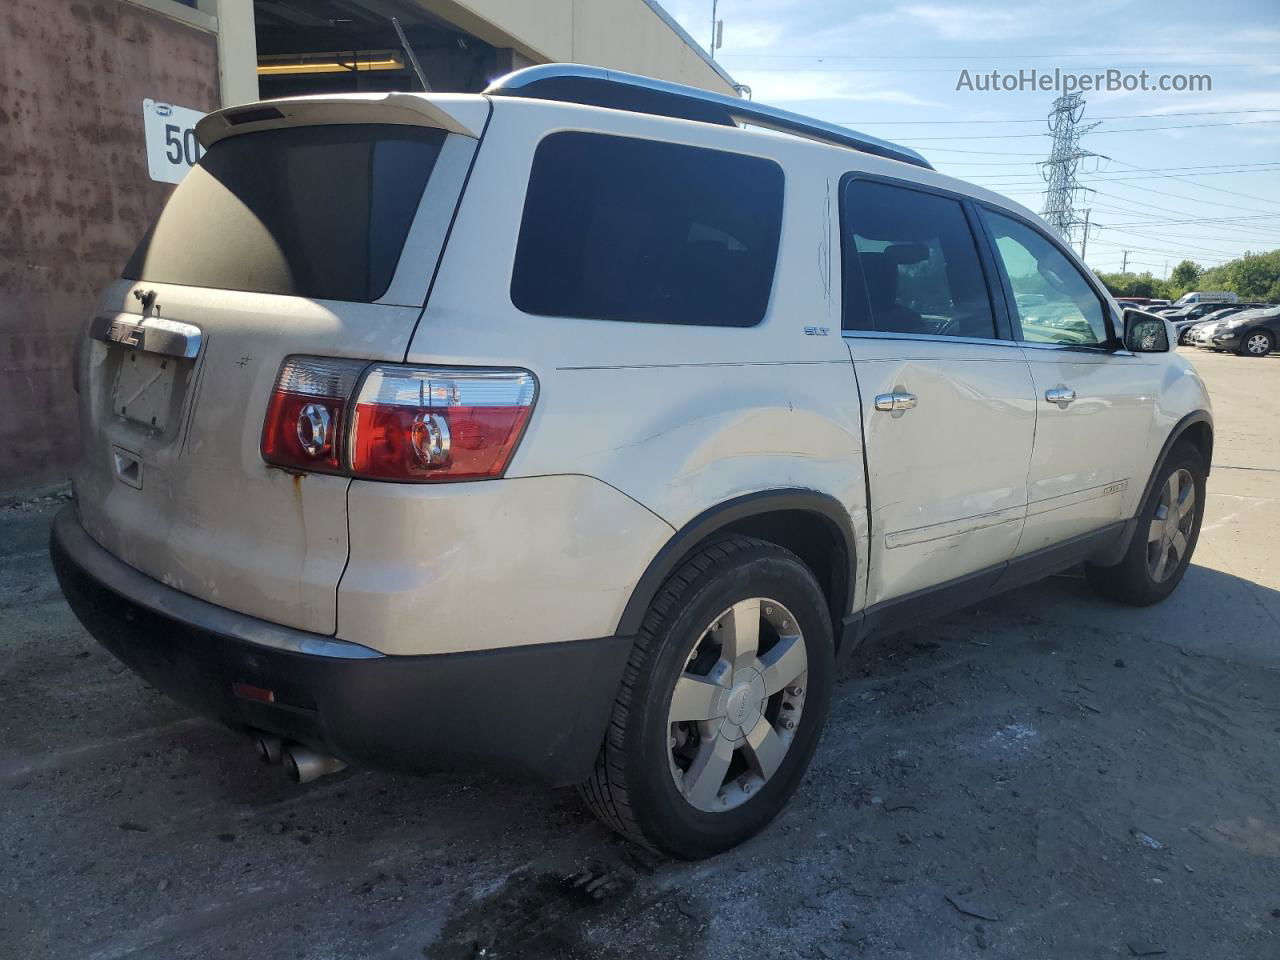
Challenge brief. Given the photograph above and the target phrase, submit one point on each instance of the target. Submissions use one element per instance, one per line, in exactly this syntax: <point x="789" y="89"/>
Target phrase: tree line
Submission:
<point x="1255" y="277"/>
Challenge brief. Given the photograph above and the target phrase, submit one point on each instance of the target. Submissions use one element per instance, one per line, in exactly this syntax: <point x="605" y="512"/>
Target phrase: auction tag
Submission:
<point x="172" y="147"/>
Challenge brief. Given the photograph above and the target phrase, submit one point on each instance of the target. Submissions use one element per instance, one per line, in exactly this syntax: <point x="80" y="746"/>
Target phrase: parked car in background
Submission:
<point x="1250" y="333"/>
<point x="1199" y="333"/>
<point x="1184" y="318"/>
<point x="1207" y="296"/>
<point x="519" y="430"/>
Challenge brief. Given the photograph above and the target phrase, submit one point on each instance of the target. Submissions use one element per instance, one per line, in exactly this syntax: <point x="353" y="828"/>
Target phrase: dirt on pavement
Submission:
<point x="1045" y="776"/>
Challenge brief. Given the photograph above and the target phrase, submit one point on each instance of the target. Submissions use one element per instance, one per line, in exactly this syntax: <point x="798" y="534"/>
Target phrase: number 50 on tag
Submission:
<point x="172" y="147"/>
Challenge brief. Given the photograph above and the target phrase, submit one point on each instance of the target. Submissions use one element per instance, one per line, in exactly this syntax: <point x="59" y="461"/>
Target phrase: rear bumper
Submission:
<point x="537" y="709"/>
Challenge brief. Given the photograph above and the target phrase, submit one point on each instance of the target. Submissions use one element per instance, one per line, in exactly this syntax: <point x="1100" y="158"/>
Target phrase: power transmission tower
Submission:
<point x="1063" y="190"/>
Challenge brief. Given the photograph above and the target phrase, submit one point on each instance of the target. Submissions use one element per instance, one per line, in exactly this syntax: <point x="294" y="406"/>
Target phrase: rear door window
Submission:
<point x="616" y="228"/>
<point x="911" y="264"/>
<point x="319" y="212"/>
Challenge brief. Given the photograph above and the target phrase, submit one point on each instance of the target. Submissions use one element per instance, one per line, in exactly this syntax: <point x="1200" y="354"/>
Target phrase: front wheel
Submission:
<point x="1257" y="343"/>
<point x="1168" y="528"/>
<point x="721" y="705"/>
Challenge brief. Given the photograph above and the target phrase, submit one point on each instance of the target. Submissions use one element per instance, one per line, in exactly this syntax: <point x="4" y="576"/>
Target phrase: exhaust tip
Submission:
<point x="270" y="749"/>
<point x="303" y="764"/>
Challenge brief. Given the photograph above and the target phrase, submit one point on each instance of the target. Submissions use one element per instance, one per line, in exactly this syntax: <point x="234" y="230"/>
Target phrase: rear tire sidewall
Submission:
<point x="667" y="820"/>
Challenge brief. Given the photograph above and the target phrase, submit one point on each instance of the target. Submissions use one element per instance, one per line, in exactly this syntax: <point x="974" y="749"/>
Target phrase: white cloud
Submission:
<point x="818" y="85"/>
<point x="974" y="23"/>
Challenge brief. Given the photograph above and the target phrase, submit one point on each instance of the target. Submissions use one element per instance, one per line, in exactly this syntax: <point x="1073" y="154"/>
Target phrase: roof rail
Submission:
<point x="598" y="87"/>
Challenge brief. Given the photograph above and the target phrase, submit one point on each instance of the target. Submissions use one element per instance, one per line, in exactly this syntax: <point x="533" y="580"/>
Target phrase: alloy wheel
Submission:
<point x="736" y="706"/>
<point x="1171" y="525"/>
<point x="1258" y="345"/>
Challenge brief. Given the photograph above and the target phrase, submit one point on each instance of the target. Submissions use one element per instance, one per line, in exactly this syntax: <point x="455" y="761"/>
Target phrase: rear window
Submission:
<point x="319" y="212"/>
<point x="617" y="228"/>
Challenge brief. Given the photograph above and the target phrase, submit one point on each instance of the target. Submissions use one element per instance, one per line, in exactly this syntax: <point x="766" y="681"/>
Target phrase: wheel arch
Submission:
<point x="1197" y="429"/>
<point x="813" y="525"/>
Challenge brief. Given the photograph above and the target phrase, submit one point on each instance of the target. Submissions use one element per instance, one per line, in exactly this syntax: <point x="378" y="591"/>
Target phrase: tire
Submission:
<point x="1153" y="567"/>
<point x="1257" y="343"/>
<point x="656" y="781"/>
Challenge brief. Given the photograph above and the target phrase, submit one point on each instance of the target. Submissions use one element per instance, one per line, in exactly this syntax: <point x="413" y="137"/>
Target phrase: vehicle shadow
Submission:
<point x="984" y="779"/>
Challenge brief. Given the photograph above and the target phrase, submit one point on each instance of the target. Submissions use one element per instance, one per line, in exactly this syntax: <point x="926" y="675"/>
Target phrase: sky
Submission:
<point x="1202" y="182"/>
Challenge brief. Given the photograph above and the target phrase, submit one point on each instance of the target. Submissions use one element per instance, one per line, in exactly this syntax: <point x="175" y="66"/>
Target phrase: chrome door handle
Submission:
<point x="895" y="401"/>
<point x="1062" y="396"/>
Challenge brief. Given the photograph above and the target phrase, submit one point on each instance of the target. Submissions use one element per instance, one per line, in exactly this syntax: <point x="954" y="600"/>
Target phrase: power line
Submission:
<point x="1155" y="206"/>
<point x="1014" y="177"/>
<point x="990" y="153"/>
<point x="1243" y="237"/>
<point x="1181" y="126"/>
<point x="1176" y="196"/>
<point x="1023" y="163"/>
<point x="1202" y="186"/>
<point x="1112" y="116"/>
<point x="1171" y="243"/>
<point x="1264" y="216"/>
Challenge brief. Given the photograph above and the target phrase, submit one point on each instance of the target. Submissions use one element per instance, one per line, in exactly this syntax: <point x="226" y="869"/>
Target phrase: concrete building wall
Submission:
<point x="75" y="195"/>
<point x="631" y="35"/>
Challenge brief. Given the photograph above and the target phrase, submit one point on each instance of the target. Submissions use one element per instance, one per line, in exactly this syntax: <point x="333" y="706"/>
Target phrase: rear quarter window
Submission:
<point x="319" y="212"/>
<point x="617" y="228"/>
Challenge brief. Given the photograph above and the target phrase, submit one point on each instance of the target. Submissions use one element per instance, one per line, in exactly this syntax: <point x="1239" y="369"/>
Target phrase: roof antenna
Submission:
<point x="413" y="60"/>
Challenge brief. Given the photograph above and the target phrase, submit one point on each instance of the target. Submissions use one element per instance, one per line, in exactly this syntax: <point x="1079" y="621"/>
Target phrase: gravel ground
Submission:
<point x="1044" y="776"/>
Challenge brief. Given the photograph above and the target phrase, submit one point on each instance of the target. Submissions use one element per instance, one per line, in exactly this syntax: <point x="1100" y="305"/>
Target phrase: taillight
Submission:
<point x="436" y="423"/>
<point x="419" y="424"/>
<point x="307" y="414"/>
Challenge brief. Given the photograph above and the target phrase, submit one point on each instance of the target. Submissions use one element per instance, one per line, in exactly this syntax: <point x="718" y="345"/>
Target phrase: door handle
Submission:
<point x="895" y="401"/>
<point x="1062" y="396"/>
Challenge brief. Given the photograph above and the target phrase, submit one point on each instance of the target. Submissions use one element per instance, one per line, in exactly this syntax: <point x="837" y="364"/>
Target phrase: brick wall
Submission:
<point x="74" y="194"/>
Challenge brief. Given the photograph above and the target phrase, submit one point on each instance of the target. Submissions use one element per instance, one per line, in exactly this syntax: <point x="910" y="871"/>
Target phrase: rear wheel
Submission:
<point x="1168" y="529"/>
<point x="721" y="704"/>
<point x="1257" y="343"/>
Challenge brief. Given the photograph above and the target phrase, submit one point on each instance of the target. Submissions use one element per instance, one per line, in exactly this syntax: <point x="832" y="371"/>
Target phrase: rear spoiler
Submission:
<point x="464" y="114"/>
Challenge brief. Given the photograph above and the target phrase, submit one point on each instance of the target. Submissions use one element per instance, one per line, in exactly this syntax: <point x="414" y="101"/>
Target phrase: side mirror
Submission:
<point x="1145" y="332"/>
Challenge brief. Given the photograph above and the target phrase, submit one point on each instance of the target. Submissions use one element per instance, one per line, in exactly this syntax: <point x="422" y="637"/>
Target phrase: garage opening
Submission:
<point x="310" y="47"/>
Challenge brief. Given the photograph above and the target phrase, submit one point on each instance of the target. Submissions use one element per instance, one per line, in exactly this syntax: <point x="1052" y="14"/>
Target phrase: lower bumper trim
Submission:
<point x="538" y="710"/>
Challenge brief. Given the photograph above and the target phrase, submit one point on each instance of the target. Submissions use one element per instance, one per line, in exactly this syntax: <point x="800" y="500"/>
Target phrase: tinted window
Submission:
<point x="1054" y="302"/>
<point x="911" y="265"/>
<point x="317" y="212"/>
<point x="623" y="229"/>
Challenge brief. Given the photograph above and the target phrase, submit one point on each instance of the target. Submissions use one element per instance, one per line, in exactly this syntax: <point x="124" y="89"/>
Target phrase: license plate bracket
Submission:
<point x="143" y="389"/>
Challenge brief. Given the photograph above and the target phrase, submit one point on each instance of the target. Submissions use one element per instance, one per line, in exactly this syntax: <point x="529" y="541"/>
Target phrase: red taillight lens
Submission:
<point x="434" y="423"/>
<point x="307" y="415"/>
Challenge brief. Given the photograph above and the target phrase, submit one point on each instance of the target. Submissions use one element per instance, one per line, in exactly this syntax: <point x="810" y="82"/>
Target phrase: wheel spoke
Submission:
<point x="1172" y="488"/>
<point x="740" y="629"/>
<point x="1155" y="532"/>
<point x="1163" y="559"/>
<point x="1188" y="503"/>
<point x="764" y="748"/>
<point x="1179" y="545"/>
<point x="704" y="778"/>
<point x="696" y="698"/>
<point x="783" y="662"/>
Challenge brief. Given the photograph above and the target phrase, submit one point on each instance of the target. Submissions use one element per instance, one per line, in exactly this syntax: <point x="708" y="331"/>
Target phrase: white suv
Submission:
<point x="574" y="428"/>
